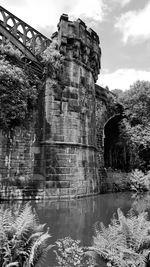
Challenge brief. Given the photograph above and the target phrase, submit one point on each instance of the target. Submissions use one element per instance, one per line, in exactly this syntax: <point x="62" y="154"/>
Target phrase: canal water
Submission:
<point x="76" y="218"/>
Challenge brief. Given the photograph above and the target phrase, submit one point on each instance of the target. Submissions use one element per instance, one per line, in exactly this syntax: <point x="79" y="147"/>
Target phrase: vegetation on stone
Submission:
<point x="19" y="88"/>
<point x="52" y="60"/>
<point x="18" y="94"/>
<point x="23" y="240"/>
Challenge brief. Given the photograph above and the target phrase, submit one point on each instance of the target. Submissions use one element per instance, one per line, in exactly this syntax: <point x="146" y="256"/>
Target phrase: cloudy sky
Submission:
<point x="122" y="25"/>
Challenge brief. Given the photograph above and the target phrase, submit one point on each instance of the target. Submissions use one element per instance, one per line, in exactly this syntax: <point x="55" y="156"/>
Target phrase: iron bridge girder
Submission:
<point x="22" y="36"/>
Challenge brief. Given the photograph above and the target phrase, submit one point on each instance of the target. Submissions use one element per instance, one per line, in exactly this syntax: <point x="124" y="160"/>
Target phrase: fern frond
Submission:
<point x="20" y="238"/>
<point x="25" y="220"/>
<point x="13" y="264"/>
<point x="125" y="241"/>
<point x="37" y="248"/>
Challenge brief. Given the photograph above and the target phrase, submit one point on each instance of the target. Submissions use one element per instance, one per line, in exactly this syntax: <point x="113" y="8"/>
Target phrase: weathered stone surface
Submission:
<point x="17" y="152"/>
<point x="62" y="149"/>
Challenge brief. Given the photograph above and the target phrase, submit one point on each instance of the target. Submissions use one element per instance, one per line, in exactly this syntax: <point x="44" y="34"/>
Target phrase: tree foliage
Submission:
<point x="18" y="94"/>
<point x="20" y="87"/>
<point x="135" y="127"/>
<point x="52" y="60"/>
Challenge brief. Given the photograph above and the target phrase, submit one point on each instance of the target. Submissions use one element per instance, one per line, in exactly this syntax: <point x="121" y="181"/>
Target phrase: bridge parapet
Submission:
<point x="101" y="93"/>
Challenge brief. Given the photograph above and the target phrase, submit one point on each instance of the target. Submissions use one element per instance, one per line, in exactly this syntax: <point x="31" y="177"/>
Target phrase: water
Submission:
<point x="76" y="218"/>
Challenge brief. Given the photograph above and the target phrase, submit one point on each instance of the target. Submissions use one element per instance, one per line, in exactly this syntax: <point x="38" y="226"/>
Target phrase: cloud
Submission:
<point x="93" y="9"/>
<point x="122" y="78"/>
<point x="134" y="25"/>
<point x="122" y="2"/>
<point x="46" y="13"/>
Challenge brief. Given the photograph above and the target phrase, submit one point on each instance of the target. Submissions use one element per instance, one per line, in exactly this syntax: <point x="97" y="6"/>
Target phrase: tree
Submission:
<point x="136" y="126"/>
<point x="117" y="92"/>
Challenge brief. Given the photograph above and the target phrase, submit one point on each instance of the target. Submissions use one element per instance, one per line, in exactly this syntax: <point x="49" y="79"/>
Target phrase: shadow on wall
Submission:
<point x="116" y="154"/>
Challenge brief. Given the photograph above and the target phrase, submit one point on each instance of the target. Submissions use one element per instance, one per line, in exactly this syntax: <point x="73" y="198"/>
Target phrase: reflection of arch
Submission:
<point x="115" y="151"/>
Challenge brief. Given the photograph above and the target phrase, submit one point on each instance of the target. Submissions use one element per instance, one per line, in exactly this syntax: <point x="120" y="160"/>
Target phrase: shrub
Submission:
<point x="23" y="241"/>
<point x="70" y="253"/>
<point x="18" y="94"/>
<point x="125" y="242"/>
<point x="139" y="181"/>
<point x="53" y="60"/>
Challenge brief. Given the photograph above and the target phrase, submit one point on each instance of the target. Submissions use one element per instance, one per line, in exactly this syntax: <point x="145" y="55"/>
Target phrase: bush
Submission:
<point x="139" y="181"/>
<point x="23" y="241"/>
<point x="125" y="242"/>
<point x="70" y="253"/>
<point x="18" y="94"/>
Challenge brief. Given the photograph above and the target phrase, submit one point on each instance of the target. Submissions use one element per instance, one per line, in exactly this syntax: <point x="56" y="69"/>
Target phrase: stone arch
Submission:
<point x="106" y="113"/>
<point x="115" y="151"/>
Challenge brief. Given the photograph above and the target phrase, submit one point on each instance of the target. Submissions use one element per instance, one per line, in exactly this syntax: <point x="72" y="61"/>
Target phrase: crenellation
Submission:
<point x="78" y="42"/>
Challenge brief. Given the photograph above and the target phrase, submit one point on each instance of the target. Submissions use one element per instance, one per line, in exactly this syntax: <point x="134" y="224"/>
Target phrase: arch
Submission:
<point x="30" y="39"/>
<point x="3" y="16"/>
<point x="20" y="39"/>
<point x="20" y="27"/>
<point x="46" y="43"/>
<point x="10" y="22"/>
<point x="115" y="149"/>
<point x="29" y="34"/>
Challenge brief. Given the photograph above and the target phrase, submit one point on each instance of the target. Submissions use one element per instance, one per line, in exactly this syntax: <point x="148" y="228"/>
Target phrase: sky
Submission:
<point x="123" y="27"/>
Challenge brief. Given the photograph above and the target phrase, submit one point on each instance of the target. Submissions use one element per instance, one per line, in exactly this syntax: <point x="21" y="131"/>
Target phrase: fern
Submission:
<point x="23" y="241"/>
<point x="125" y="242"/>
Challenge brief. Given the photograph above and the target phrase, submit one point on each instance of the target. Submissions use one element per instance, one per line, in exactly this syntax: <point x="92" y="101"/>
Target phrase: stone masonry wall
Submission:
<point x="16" y="152"/>
<point x="68" y="147"/>
<point x="106" y="109"/>
<point x="62" y="147"/>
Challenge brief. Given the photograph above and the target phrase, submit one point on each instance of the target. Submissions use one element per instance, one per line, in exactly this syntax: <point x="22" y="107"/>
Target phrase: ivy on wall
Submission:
<point x="19" y="89"/>
<point x="18" y="94"/>
<point x="53" y="61"/>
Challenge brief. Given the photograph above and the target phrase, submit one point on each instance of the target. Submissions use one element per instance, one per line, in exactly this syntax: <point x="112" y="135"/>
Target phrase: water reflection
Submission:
<point x="76" y="218"/>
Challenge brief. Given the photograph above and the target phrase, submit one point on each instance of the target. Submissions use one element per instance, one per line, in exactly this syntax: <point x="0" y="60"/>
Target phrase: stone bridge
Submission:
<point x="67" y="143"/>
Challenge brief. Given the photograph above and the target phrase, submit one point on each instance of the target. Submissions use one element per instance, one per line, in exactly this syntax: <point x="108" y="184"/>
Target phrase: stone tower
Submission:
<point x="68" y="148"/>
